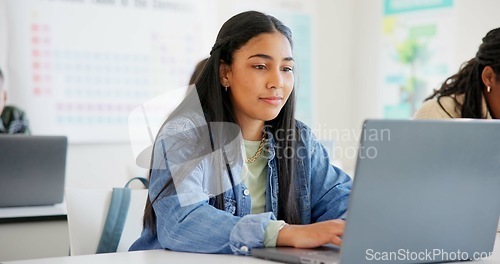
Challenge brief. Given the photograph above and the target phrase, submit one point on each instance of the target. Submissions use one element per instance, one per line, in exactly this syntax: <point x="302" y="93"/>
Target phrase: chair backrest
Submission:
<point x="87" y="210"/>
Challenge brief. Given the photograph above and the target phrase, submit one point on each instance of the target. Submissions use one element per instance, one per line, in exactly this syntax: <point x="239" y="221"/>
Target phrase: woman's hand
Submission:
<point x="312" y="235"/>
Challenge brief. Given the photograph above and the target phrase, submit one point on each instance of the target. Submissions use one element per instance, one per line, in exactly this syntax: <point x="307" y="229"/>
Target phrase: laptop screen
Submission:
<point x="423" y="191"/>
<point x="32" y="170"/>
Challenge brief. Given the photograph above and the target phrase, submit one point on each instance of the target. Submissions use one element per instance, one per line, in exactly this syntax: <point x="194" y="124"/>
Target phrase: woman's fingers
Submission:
<point x="336" y="240"/>
<point x="312" y="235"/>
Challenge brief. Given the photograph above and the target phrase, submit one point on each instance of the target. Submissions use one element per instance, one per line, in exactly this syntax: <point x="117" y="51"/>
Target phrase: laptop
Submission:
<point x="424" y="191"/>
<point x="32" y="170"/>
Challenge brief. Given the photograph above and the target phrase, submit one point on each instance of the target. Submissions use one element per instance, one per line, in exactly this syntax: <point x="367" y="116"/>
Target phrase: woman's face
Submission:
<point x="491" y="79"/>
<point x="260" y="79"/>
<point x="3" y="96"/>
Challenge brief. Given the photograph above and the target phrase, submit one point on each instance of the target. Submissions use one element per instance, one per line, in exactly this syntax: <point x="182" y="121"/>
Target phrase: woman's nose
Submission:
<point x="275" y="80"/>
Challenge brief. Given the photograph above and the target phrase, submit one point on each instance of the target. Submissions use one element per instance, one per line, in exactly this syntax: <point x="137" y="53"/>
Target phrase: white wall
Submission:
<point x="105" y="165"/>
<point x="366" y="69"/>
<point x="3" y="36"/>
<point x="333" y="51"/>
<point x="474" y="20"/>
<point x="108" y="165"/>
<point x="347" y="75"/>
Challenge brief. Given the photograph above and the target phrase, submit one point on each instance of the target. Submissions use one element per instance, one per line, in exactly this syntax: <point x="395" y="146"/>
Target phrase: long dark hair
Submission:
<point x="468" y="80"/>
<point x="217" y="107"/>
<point x="197" y="70"/>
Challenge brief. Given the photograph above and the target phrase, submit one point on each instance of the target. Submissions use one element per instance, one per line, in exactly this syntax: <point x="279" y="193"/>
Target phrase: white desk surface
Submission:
<point x="165" y="257"/>
<point x="146" y="257"/>
<point x="33" y="211"/>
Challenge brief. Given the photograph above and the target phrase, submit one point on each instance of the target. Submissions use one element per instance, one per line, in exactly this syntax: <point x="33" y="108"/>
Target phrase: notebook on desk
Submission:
<point x="32" y="170"/>
<point x="423" y="191"/>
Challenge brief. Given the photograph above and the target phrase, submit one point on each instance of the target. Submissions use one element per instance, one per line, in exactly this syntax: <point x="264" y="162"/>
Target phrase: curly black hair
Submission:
<point x="468" y="80"/>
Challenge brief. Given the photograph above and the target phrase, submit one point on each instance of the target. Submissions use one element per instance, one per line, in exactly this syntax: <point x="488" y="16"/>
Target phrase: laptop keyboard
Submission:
<point x="319" y="257"/>
<point x="324" y="253"/>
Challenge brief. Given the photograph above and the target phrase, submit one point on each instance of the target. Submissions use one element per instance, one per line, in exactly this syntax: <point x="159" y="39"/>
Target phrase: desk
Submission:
<point x="165" y="257"/>
<point x="33" y="232"/>
<point x="32" y="213"/>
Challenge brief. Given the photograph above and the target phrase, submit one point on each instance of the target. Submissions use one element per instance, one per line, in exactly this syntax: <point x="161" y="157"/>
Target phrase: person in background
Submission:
<point x="12" y="119"/>
<point x="277" y="186"/>
<point x="197" y="70"/>
<point x="473" y="92"/>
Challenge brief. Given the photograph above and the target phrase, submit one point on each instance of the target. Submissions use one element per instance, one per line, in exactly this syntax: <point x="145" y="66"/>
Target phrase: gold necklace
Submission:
<point x="259" y="150"/>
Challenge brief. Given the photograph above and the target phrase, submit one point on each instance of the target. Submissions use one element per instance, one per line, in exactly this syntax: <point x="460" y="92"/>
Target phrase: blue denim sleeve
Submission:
<point x="185" y="221"/>
<point x="204" y="229"/>
<point x="330" y="186"/>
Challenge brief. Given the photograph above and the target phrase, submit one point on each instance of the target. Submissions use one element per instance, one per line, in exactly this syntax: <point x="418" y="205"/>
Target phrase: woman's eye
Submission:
<point x="259" y="67"/>
<point x="287" y="69"/>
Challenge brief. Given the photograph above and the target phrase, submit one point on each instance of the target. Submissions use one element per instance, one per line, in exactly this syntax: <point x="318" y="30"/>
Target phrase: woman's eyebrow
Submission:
<point x="259" y="55"/>
<point x="267" y="57"/>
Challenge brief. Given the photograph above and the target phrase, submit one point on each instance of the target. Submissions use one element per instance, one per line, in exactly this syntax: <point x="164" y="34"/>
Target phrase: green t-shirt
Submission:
<point x="255" y="178"/>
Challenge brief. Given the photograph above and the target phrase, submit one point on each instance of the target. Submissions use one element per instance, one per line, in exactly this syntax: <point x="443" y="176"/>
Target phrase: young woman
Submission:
<point x="232" y="159"/>
<point x="473" y="92"/>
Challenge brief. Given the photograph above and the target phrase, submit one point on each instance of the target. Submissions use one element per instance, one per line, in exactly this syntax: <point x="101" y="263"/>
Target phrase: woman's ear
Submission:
<point x="224" y="74"/>
<point x="488" y="76"/>
<point x="4" y="94"/>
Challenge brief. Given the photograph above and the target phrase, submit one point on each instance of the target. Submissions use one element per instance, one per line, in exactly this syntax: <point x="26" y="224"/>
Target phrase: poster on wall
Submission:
<point x="79" y="68"/>
<point x="298" y="16"/>
<point x="417" y="53"/>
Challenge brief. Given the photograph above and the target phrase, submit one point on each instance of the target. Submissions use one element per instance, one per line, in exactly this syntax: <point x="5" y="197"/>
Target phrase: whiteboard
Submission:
<point x="79" y="67"/>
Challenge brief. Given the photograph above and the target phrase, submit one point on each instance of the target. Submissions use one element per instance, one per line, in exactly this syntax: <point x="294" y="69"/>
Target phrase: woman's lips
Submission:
<point x="272" y="100"/>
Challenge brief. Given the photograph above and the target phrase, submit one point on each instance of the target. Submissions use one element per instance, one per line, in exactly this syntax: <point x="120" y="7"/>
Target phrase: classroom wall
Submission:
<point x="108" y="165"/>
<point x="335" y="68"/>
<point x="473" y="19"/>
<point x="114" y="162"/>
<point x="100" y="165"/>
<point x="366" y="61"/>
<point x="348" y="35"/>
<point x="3" y="36"/>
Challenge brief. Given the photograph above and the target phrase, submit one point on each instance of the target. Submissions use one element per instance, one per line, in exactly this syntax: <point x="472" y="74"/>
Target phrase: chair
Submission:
<point x="87" y="210"/>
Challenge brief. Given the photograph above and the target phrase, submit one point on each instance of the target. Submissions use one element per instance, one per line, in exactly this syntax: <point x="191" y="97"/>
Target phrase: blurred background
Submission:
<point x="80" y="67"/>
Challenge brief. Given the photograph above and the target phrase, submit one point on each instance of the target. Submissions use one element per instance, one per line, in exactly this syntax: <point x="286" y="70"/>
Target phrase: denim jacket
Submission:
<point x="188" y="221"/>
